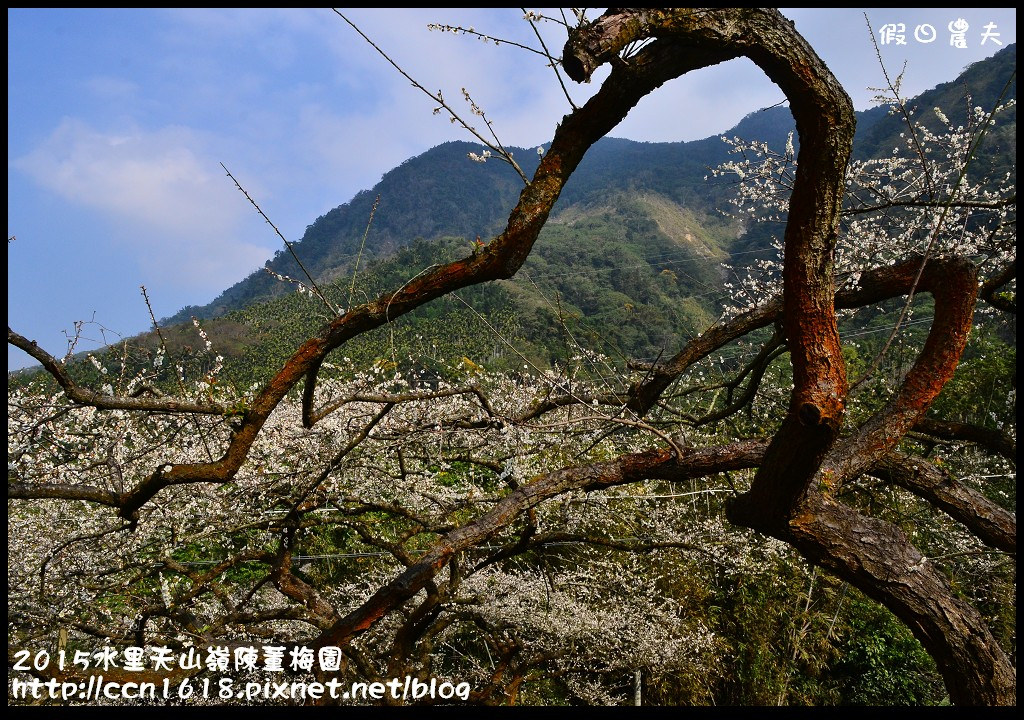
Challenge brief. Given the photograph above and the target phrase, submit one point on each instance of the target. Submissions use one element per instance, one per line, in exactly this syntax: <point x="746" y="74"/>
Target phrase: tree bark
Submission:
<point x="879" y="559"/>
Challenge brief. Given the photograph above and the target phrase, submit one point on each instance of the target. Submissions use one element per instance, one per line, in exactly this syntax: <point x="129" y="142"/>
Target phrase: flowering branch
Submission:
<point x="103" y="401"/>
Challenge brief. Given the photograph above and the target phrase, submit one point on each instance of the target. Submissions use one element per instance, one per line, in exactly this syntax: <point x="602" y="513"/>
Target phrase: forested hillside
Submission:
<point x="629" y="265"/>
<point x="441" y="193"/>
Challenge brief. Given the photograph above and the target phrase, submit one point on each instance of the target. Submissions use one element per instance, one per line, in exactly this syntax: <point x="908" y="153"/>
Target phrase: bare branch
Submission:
<point x="83" y="396"/>
<point x="312" y="283"/>
<point x="439" y="99"/>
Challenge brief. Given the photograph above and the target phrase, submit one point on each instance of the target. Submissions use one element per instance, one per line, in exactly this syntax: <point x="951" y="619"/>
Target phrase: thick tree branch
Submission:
<point x="627" y="468"/>
<point x="500" y="259"/>
<point x="62" y="491"/>
<point x="953" y="285"/>
<point x="322" y="612"/>
<point x="994" y="440"/>
<point x="990" y="523"/>
<point x="989" y="291"/>
<point x="878" y="558"/>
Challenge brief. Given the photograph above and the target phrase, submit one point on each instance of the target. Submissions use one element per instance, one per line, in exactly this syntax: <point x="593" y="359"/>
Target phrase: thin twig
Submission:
<point x="355" y="268"/>
<point x="903" y="108"/>
<point x="500" y="149"/>
<point x="287" y="244"/>
<point x="440" y="101"/>
<point x="552" y="61"/>
<point x="177" y="376"/>
<point x="497" y="41"/>
<point x="540" y="373"/>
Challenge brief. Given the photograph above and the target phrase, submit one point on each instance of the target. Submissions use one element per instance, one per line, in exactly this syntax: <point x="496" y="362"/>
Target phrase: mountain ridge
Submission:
<point x="441" y="193"/>
<point x="629" y="263"/>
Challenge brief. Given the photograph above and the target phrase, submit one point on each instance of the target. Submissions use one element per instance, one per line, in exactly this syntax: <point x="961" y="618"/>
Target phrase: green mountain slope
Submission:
<point x="631" y="278"/>
<point x="629" y="264"/>
<point x="441" y="193"/>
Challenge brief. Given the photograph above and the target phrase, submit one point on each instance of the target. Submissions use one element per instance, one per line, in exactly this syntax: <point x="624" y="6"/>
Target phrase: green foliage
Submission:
<point x="986" y="379"/>
<point x="879" y="662"/>
<point x="801" y="638"/>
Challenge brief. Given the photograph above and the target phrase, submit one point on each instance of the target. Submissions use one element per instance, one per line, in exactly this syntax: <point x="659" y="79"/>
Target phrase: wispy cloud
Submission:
<point x="108" y="87"/>
<point x="171" y="208"/>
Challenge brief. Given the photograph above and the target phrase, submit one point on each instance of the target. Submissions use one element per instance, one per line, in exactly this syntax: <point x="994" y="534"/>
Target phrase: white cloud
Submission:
<point x="109" y="88"/>
<point x="165" y="198"/>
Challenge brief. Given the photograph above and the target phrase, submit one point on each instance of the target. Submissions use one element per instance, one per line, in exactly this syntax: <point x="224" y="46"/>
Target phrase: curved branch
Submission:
<point x="660" y="463"/>
<point x="874" y="286"/>
<point x="953" y="285"/>
<point x="825" y="122"/>
<point x="989" y="290"/>
<point x="878" y="558"/>
<point x="990" y="523"/>
<point x="756" y="370"/>
<point x="994" y="440"/>
<point x="83" y="396"/>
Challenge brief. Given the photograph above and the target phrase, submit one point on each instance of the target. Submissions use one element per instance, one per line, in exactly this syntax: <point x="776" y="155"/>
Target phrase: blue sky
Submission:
<point x="118" y="121"/>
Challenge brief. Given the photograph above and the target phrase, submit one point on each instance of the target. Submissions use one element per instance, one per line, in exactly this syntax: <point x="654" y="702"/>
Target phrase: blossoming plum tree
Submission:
<point x="471" y="528"/>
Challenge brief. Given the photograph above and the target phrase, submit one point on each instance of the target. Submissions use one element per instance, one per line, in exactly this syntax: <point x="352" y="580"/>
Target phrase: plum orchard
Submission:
<point x="543" y="537"/>
<point x="317" y="520"/>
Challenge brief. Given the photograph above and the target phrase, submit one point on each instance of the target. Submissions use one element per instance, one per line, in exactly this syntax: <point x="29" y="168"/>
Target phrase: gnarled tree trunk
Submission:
<point x="785" y="500"/>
